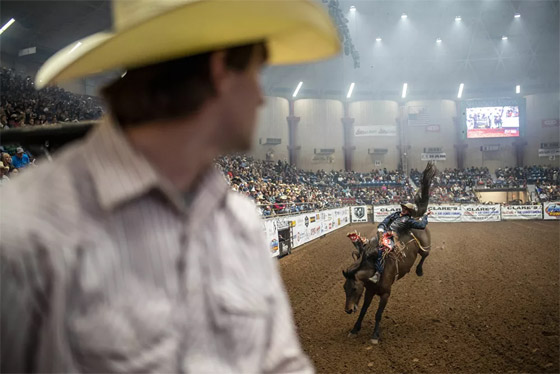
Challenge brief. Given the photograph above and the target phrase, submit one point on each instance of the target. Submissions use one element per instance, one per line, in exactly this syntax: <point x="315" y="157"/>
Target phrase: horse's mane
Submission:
<point x="369" y="249"/>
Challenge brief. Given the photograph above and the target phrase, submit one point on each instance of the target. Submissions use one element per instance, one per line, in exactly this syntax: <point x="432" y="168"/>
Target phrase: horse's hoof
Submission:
<point x="374" y="341"/>
<point x="419" y="272"/>
<point x="351" y="335"/>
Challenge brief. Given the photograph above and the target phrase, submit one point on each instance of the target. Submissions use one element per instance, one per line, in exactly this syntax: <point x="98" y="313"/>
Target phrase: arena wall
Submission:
<point x="320" y="127"/>
<point x="375" y="113"/>
<point x="272" y="123"/>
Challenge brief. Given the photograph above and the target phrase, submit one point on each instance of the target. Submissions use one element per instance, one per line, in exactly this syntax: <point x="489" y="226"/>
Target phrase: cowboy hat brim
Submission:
<point x="294" y="32"/>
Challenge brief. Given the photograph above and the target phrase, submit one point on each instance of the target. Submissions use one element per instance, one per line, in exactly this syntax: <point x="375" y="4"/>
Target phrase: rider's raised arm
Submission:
<point x="420" y="225"/>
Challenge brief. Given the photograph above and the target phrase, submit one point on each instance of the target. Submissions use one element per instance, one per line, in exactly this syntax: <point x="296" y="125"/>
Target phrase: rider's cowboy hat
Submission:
<point x="146" y="32"/>
<point x="410" y="207"/>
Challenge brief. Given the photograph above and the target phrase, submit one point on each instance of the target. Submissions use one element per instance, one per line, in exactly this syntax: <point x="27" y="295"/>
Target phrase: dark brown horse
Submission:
<point x="358" y="274"/>
<point x="397" y="263"/>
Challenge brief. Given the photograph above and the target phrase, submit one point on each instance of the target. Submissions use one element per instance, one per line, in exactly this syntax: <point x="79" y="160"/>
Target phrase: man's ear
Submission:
<point x="219" y="73"/>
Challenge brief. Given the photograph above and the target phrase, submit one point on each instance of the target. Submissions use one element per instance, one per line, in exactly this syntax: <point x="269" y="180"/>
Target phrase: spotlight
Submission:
<point x="518" y="89"/>
<point x="350" y="91"/>
<point x="353" y="8"/>
<point x="460" y="93"/>
<point x="517" y="15"/>
<point x="378" y="39"/>
<point x="504" y="37"/>
<point x="438" y="40"/>
<point x="458" y="18"/>
<point x="404" y="88"/>
<point x="404" y="16"/>
<point x="8" y="24"/>
<point x="297" y="89"/>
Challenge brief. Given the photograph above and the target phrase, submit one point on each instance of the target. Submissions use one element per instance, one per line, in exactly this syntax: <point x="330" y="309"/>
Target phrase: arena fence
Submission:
<point x="290" y="231"/>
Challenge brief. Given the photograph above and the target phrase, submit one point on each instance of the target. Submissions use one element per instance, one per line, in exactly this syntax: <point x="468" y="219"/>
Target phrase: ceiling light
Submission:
<point x="352" y="8"/>
<point x="460" y="93"/>
<point x="404" y="88"/>
<point x="457" y="18"/>
<point x="438" y="40"/>
<point x="504" y="37"/>
<point x="297" y="89"/>
<point x="350" y="91"/>
<point x="517" y="89"/>
<point x="378" y="39"/>
<point x="8" y="24"/>
<point x="404" y="16"/>
<point x="75" y="47"/>
<point x="517" y="15"/>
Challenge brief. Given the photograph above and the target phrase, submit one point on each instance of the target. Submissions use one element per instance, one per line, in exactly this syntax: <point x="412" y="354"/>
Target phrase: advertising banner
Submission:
<point x="382" y="211"/>
<point x="375" y="130"/>
<point x="271" y="234"/>
<point x="548" y="152"/>
<point x="359" y="213"/>
<point x="551" y="210"/>
<point x="480" y="213"/>
<point x="445" y="213"/>
<point x="521" y="212"/>
<point x="440" y="156"/>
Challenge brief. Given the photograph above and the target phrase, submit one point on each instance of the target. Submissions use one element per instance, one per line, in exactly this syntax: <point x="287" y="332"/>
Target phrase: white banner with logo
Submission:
<point x="549" y="152"/>
<point x="440" y="156"/>
<point x="375" y="130"/>
<point x="551" y="210"/>
<point x="445" y="213"/>
<point x="382" y="211"/>
<point x="271" y="234"/>
<point x="521" y="212"/>
<point x="359" y="213"/>
<point x="480" y="213"/>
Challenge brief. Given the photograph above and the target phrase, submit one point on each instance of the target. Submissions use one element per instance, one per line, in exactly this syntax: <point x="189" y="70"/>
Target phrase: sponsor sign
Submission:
<point x="271" y="234"/>
<point x="550" y="122"/>
<point x="440" y="156"/>
<point x="432" y="128"/>
<point x="382" y="211"/>
<point x="521" y="212"/>
<point x="418" y="116"/>
<point x="549" y="152"/>
<point x="375" y="130"/>
<point x="359" y="213"/>
<point x="551" y="210"/>
<point x="480" y="213"/>
<point x="445" y="213"/>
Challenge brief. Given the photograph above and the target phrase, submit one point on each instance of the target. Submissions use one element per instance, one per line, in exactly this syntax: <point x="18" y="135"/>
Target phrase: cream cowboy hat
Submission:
<point x="409" y="206"/>
<point x="151" y="31"/>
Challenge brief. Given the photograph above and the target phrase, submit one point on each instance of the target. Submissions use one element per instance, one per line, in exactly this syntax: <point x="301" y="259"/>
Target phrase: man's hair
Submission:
<point x="170" y="89"/>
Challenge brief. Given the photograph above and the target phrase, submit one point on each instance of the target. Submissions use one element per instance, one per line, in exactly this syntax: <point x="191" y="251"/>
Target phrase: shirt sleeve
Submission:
<point x="419" y="225"/>
<point x="284" y="353"/>
<point x="387" y="221"/>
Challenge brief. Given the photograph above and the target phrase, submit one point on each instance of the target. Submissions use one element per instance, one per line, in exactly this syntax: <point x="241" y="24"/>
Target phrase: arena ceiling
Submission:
<point x="471" y="50"/>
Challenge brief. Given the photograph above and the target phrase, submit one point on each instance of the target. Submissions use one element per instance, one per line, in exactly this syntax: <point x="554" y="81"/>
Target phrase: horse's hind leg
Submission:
<point x="358" y="325"/>
<point x="419" y="270"/>
<point x="382" y="303"/>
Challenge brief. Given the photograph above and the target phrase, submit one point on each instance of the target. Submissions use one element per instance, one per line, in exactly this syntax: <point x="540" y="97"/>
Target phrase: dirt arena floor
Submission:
<point x="488" y="303"/>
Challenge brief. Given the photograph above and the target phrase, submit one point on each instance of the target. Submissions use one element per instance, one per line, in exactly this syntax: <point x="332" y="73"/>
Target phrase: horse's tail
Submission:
<point x="422" y="197"/>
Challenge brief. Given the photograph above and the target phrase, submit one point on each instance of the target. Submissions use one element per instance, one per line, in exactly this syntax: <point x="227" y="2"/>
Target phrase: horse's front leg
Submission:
<point x="419" y="269"/>
<point x="382" y="303"/>
<point x="358" y="325"/>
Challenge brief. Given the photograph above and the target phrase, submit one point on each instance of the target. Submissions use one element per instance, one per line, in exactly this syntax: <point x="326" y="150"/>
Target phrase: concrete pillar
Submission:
<point x="348" y="148"/>
<point x="293" y="121"/>
<point x="519" y="146"/>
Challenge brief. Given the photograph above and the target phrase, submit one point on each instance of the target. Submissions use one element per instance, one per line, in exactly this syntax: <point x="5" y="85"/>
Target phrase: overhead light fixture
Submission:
<point x="518" y="89"/>
<point x="78" y="44"/>
<point x="404" y="88"/>
<point x="350" y="91"/>
<point x="297" y="89"/>
<point x="352" y="8"/>
<point x="460" y="93"/>
<point x="457" y="18"/>
<point x="438" y="40"/>
<point x="8" y="24"/>
<point x="378" y="39"/>
<point x="517" y="15"/>
<point x="504" y="37"/>
<point x="404" y="16"/>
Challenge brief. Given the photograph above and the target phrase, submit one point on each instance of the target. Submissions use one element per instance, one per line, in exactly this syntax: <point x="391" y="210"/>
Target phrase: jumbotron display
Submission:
<point x="492" y="122"/>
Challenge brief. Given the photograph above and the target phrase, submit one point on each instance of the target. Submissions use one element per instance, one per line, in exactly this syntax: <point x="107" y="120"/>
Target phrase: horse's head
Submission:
<point x="354" y="288"/>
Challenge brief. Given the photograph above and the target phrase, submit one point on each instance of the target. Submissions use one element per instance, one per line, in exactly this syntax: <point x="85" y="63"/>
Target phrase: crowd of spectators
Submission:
<point x="22" y="105"/>
<point x="455" y="185"/>
<point x="12" y="165"/>
<point x="280" y="188"/>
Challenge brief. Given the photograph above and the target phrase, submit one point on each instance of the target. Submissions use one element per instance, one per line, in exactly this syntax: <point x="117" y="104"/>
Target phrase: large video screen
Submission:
<point x="492" y="122"/>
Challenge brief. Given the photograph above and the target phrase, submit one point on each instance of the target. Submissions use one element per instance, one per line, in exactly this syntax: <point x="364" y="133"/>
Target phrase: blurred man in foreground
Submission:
<point x="129" y="253"/>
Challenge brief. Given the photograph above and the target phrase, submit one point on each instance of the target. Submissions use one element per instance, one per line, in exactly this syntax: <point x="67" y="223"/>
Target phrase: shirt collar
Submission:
<point x="121" y="174"/>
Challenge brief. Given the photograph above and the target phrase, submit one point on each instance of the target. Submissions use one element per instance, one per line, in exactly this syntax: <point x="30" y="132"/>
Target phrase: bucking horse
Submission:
<point x="397" y="263"/>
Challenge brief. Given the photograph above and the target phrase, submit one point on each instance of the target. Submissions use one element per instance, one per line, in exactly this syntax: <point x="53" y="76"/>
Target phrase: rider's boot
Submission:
<point x="375" y="277"/>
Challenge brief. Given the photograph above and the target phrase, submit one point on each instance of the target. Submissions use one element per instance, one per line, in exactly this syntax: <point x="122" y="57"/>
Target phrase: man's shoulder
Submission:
<point x="243" y="208"/>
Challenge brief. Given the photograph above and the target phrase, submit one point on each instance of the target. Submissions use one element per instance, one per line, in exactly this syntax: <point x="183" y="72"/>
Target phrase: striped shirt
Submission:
<point x="105" y="269"/>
